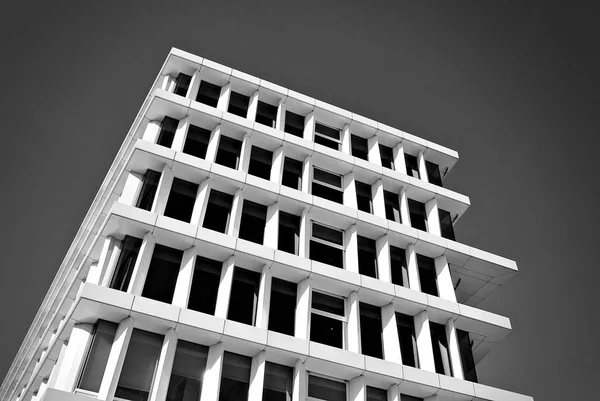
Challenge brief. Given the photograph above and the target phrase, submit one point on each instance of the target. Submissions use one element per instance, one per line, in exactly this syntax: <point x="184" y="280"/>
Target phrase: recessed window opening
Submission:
<point x="404" y="397"/>
<point x="218" y="211"/>
<point x="367" y="257"/>
<point x="148" y="190"/>
<point x="418" y="215"/>
<point x="196" y="142"/>
<point x="208" y="94"/>
<point x="364" y="199"/>
<point x="399" y="266"/>
<point x="130" y="249"/>
<point x="282" y="312"/>
<point x="167" y="132"/>
<point x="327" y="136"/>
<point x="260" y="162"/>
<point x="243" y="301"/>
<point x="253" y="221"/>
<point x="327" y="245"/>
<point x="235" y="377"/>
<point x="371" y="330"/>
<point x="387" y="157"/>
<point x="188" y="369"/>
<point x="446" y="226"/>
<point x="392" y="206"/>
<point x="205" y="285"/>
<point x="181" y="200"/>
<point x="97" y="358"/>
<point x="228" y="153"/>
<point x="182" y="84"/>
<point x="292" y="173"/>
<point x="465" y="346"/>
<point x="289" y="233"/>
<point x="327" y="185"/>
<point x="162" y="274"/>
<point x="433" y="173"/>
<point x="294" y="124"/>
<point x="325" y="389"/>
<point x="328" y="320"/>
<point x="408" y="339"/>
<point x="360" y="147"/>
<point x="441" y="353"/>
<point x="266" y="114"/>
<point x="278" y="382"/>
<point x="376" y="394"/>
<point x="427" y="275"/>
<point x="412" y="165"/>
<point x="238" y="104"/>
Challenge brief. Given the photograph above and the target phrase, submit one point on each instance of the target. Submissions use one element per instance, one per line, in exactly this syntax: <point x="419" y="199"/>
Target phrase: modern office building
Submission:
<point x="253" y="243"/>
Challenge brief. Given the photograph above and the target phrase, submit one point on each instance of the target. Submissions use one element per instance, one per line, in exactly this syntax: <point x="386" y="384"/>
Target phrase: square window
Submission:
<point x="235" y="377"/>
<point x="294" y="124"/>
<point x="292" y="173"/>
<point x="418" y="215"/>
<point x="182" y="198"/>
<point x="228" y="153"/>
<point x="327" y="245"/>
<point x="162" y="274"/>
<point x="387" y="156"/>
<point x="433" y="173"/>
<point x="238" y="104"/>
<point x="182" y="84"/>
<point x="188" y="369"/>
<point x="253" y="221"/>
<point x="327" y="136"/>
<point x="167" y="132"/>
<point x="260" y="162"/>
<point x="360" y="147"/>
<point x="376" y="394"/>
<point x="327" y="185"/>
<point x="328" y="320"/>
<point x="278" y="382"/>
<point x="196" y="142"/>
<point x="325" y="389"/>
<point x="266" y="114"/>
<point x="218" y="211"/>
<point x="208" y="94"/>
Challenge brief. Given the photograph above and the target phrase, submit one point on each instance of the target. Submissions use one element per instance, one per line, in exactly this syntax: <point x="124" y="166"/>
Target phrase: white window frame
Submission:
<point x="338" y="141"/>
<point x="322" y="376"/>
<point x="331" y="244"/>
<point x="343" y="319"/>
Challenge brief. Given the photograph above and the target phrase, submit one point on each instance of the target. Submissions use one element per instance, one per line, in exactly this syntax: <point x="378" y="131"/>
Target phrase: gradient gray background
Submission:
<point x="511" y="86"/>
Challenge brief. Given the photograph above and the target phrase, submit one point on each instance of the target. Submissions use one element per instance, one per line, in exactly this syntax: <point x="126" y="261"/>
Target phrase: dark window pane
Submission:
<point x="392" y="206"/>
<point x="260" y="162"/>
<point x="167" y="132"/>
<point x="235" y="377"/>
<point x="376" y="394"/>
<point x="427" y="276"/>
<point x="399" y="266"/>
<point x="162" y="274"/>
<point x="327" y="303"/>
<point x="228" y="153"/>
<point x="360" y="147"/>
<point x="325" y="389"/>
<point x="282" y="312"/>
<point x="196" y="141"/>
<point x="404" y="397"/>
<point x="182" y="84"/>
<point x="408" y="339"/>
<point x="278" y="382"/>
<point x="124" y="269"/>
<point x="328" y="234"/>
<point x="446" y="225"/>
<point x="208" y="94"/>
<point x="367" y="257"/>
<point x="326" y="254"/>
<point x="181" y="200"/>
<point x="266" y="114"/>
<point x="292" y="173"/>
<point x="238" y="104"/>
<point x="412" y="165"/>
<point x="205" y="285"/>
<point x="441" y="353"/>
<point x="148" y="190"/>
<point x="387" y="156"/>
<point x="139" y="366"/>
<point x="466" y="355"/>
<point x="327" y="131"/>
<point x="252" y="223"/>
<point x="294" y="124"/>
<point x="244" y="296"/>
<point x="433" y="173"/>
<point x="327" y="178"/>
<point x="327" y="142"/>
<point x="289" y="233"/>
<point x="370" y="330"/>
<point x="326" y="331"/>
<point x="327" y="193"/>
<point x="363" y="197"/>
<point x="218" y="211"/>
<point x="188" y="369"/>
<point x="97" y="357"/>
<point x="418" y="216"/>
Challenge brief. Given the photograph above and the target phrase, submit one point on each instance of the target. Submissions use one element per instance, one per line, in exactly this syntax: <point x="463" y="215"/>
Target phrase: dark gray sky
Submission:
<point x="512" y="86"/>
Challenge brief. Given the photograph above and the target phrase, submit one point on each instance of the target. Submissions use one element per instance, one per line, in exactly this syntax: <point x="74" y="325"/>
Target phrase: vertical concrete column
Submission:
<point x="424" y="346"/>
<point x="349" y="186"/>
<point x="223" y="103"/>
<point x="272" y="226"/>
<point x="160" y="384"/>
<point x="111" y="263"/>
<point x="307" y="174"/>
<point x="413" y="268"/>
<point x="213" y="144"/>
<point x="309" y="126"/>
<point x="399" y="162"/>
<point x="183" y="284"/>
<point x="264" y="298"/>
<point x="433" y="217"/>
<point x="96" y="273"/>
<point x="181" y="134"/>
<point x="382" y="246"/>
<point x="163" y="190"/>
<point x="152" y="131"/>
<point x="455" y="361"/>
<point x="444" y="279"/>
<point x="374" y="155"/>
<point x="378" y="199"/>
<point x="351" y="254"/>
<point x="391" y="341"/>
<point x="131" y="189"/>
<point x="167" y="83"/>
<point x="39" y="394"/>
<point x="201" y="202"/>
<point x="393" y="393"/>
<point x="116" y="357"/>
<point x="346" y="140"/>
<point x="236" y="214"/>
<point x="280" y="120"/>
<point x="74" y="358"/>
<point x="56" y="371"/>
<point x="353" y="323"/>
<point x="224" y="291"/>
<point x="277" y="165"/>
<point x="305" y="234"/>
<point x="245" y="153"/>
<point x="404" y="211"/>
<point x="357" y="389"/>
<point x="300" y="384"/>
<point x="140" y="269"/>
<point x="303" y="305"/>
<point x="211" y="382"/>
<point x="252" y="107"/>
<point x="422" y="167"/>
<point x="192" y="92"/>
<point x="257" y="376"/>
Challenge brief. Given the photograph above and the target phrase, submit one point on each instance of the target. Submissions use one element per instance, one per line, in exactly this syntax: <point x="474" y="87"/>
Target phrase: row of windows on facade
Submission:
<point x="328" y="313"/>
<point x="186" y="379"/>
<point x="325" y="135"/>
<point x="325" y="184"/>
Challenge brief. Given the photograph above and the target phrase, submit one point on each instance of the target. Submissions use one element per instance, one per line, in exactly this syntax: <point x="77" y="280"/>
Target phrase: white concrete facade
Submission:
<point x="57" y="351"/>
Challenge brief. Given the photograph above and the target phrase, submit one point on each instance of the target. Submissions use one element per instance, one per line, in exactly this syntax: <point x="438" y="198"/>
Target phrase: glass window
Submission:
<point x="238" y="104"/>
<point x="327" y="136"/>
<point x="266" y="114"/>
<point x="446" y="225"/>
<point x="412" y="165"/>
<point x="260" y="162"/>
<point x="292" y="173"/>
<point x="367" y="257"/>
<point x="294" y="124"/>
<point x="433" y="173"/>
<point x="371" y="330"/>
<point x="97" y="358"/>
<point x="244" y="296"/>
<point x="289" y="233"/>
<point x="278" y="382"/>
<point x="139" y="366"/>
<point x="364" y="199"/>
<point x="162" y="274"/>
<point x="182" y="84"/>
<point x="327" y="245"/>
<point x="181" y="200"/>
<point x="235" y="377"/>
<point x="404" y="397"/>
<point x="392" y="206"/>
<point x="218" y="210"/>
<point x="427" y="275"/>
<point x="253" y="221"/>
<point x="325" y="389"/>
<point x="408" y="340"/>
<point x="418" y="216"/>
<point x="327" y="185"/>
<point x="205" y="285"/>
<point x="208" y="94"/>
<point x="282" y="312"/>
<point x="360" y="147"/>
<point x="130" y="248"/>
<point x="399" y="266"/>
<point x="187" y="373"/>
<point x="328" y="320"/>
<point x="387" y="157"/>
<point x="196" y="142"/>
<point x="465" y="346"/>
<point x="167" y="132"/>
<point x="228" y="153"/>
<point x="148" y="190"/>
<point x="376" y="394"/>
<point x="441" y="353"/>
